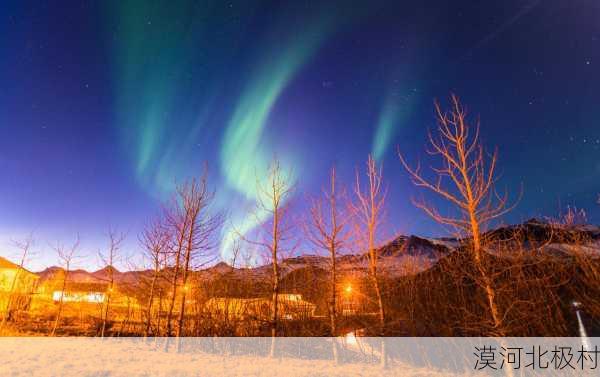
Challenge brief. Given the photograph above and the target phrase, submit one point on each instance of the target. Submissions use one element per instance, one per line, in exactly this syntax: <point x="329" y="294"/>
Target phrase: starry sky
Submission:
<point x="104" y="105"/>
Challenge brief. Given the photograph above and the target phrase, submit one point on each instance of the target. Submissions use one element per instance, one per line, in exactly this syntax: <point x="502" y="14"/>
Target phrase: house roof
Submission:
<point x="5" y="263"/>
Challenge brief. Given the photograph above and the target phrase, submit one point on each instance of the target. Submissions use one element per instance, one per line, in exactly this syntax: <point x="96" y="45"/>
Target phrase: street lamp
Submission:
<point x="348" y="289"/>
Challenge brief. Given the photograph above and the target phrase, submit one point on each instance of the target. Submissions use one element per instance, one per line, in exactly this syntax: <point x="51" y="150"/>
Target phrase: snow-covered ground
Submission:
<point x="358" y="356"/>
<point x="130" y="357"/>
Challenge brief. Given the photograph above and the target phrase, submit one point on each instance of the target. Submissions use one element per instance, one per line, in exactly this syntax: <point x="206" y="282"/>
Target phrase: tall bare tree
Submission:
<point x="192" y="227"/>
<point x="328" y="231"/>
<point x="368" y="208"/>
<point x="199" y="239"/>
<point x="66" y="256"/>
<point x="466" y="179"/>
<point x="154" y="239"/>
<point x="108" y="259"/>
<point x="177" y="222"/>
<point x="273" y="201"/>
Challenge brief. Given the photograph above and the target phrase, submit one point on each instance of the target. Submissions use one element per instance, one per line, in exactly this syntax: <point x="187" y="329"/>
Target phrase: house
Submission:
<point x="290" y="306"/>
<point x="81" y="293"/>
<point x="16" y="286"/>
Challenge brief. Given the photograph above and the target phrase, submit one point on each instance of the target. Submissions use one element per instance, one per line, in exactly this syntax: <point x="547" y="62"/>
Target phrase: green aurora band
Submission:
<point x="160" y="115"/>
<point x="245" y="154"/>
<point x="162" y="119"/>
<point x="155" y="51"/>
<point x="395" y="111"/>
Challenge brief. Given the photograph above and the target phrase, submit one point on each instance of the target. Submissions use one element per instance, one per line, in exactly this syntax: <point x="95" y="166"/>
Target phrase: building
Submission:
<point x="16" y="286"/>
<point x="291" y="306"/>
<point x="82" y="294"/>
<point x="79" y="292"/>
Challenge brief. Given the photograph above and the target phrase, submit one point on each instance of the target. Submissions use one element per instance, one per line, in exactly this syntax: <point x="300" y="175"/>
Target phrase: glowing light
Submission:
<point x="94" y="297"/>
<point x="350" y="339"/>
<point x="582" y="333"/>
<point x="348" y="289"/>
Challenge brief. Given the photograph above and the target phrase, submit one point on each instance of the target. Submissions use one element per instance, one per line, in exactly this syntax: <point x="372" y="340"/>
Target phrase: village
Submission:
<point x="49" y="302"/>
<point x="416" y="283"/>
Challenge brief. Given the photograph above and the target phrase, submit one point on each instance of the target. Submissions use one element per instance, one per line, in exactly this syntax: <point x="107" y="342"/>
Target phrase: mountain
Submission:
<point x="414" y="246"/>
<point x="541" y="231"/>
<point x="403" y="255"/>
<point x="104" y="273"/>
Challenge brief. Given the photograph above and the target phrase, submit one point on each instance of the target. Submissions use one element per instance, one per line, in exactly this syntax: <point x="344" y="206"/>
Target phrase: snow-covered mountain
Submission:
<point x="403" y="255"/>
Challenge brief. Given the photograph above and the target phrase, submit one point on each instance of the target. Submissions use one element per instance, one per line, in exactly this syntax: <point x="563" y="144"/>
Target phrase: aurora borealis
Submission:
<point x="106" y="104"/>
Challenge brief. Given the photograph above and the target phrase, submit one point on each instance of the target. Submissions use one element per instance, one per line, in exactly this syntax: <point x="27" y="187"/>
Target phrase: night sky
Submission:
<point x="103" y="105"/>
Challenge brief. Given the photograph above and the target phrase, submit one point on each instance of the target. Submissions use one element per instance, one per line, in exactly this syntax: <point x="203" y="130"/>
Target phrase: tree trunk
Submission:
<point x="173" y="294"/>
<point x="486" y="281"/>
<point x="160" y="309"/>
<point x="381" y="312"/>
<point x="60" y="305"/>
<point x="105" y="311"/>
<point x="275" y="314"/>
<point x="149" y="308"/>
<point x="275" y="299"/>
<point x="186" y="267"/>
<point x="333" y="303"/>
<point x="182" y="306"/>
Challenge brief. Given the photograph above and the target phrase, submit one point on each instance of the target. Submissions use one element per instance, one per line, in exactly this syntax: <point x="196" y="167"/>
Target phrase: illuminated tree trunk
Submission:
<point x="155" y="239"/>
<point x="60" y="302"/>
<point x="486" y="281"/>
<point x="329" y="233"/>
<point x="106" y="308"/>
<point x="150" y="302"/>
<point x="183" y="297"/>
<point x="109" y="260"/>
<point x="275" y="298"/>
<point x="174" y="283"/>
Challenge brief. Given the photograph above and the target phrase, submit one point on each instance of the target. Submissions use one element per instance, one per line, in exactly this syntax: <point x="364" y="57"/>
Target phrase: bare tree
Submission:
<point x="466" y="179"/>
<point x="25" y="247"/>
<point x="154" y="239"/>
<point x="66" y="256"/>
<point x="229" y="283"/>
<point x="192" y="227"/>
<point x="115" y="241"/>
<point x="369" y="211"/>
<point x="177" y="222"/>
<point x="327" y="231"/>
<point x="202" y="226"/>
<point x="273" y="200"/>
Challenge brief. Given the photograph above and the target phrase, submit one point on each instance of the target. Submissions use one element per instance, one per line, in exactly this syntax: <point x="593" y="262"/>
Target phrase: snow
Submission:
<point x="133" y="357"/>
